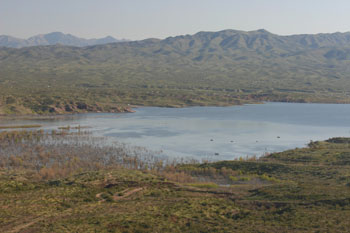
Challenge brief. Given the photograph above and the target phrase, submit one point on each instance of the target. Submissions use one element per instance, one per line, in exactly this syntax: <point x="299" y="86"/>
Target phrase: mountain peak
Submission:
<point x="54" y="38"/>
<point x="56" y="34"/>
<point x="263" y="31"/>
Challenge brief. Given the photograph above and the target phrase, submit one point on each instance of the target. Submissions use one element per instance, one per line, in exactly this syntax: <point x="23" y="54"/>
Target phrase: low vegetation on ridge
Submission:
<point x="209" y="68"/>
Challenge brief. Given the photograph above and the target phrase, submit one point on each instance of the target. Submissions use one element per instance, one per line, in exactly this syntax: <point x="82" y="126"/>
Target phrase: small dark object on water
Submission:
<point x="231" y="141"/>
<point x="211" y="140"/>
<point x="278" y="137"/>
<point x="217" y="154"/>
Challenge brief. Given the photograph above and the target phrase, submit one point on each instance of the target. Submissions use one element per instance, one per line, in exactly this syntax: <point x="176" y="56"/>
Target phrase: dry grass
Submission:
<point x="19" y="126"/>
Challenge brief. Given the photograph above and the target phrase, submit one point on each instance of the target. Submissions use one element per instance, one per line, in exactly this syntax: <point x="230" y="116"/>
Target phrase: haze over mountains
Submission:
<point x="53" y="39"/>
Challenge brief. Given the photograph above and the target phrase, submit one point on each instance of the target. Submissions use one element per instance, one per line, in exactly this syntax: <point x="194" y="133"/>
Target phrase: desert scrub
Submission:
<point x="90" y="194"/>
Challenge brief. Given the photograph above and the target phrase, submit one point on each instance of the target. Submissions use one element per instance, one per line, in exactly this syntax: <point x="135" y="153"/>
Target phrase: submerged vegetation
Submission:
<point x="62" y="152"/>
<point x="69" y="181"/>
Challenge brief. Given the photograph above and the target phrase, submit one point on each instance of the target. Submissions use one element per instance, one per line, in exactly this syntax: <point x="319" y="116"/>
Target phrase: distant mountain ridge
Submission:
<point x="262" y="39"/>
<point x="53" y="39"/>
<point x="201" y="69"/>
<point x="255" y="61"/>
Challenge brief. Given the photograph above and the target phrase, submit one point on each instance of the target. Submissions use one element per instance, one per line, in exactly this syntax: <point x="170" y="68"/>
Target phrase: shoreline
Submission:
<point x="271" y="112"/>
<point x="132" y="107"/>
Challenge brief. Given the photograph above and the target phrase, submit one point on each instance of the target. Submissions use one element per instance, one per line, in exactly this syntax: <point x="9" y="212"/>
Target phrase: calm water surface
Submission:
<point x="217" y="132"/>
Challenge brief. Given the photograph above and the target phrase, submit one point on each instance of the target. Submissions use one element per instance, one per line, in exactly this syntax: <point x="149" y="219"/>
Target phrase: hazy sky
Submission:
<point x="139" y="19"/>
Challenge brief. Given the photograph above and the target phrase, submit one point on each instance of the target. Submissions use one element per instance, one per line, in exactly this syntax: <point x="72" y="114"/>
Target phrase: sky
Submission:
<point x="140" y="19"/>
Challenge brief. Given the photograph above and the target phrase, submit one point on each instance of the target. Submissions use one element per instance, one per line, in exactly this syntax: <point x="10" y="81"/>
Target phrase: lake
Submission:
<point x="216" y="133"/>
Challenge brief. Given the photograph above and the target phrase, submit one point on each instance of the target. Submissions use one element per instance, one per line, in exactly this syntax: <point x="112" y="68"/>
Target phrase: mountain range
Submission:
<point x="189" y="69"/>
<point x="53" y="39"/>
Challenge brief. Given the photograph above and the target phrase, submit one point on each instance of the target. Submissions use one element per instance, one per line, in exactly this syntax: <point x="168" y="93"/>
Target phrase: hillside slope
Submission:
<point x="217" y="66"/>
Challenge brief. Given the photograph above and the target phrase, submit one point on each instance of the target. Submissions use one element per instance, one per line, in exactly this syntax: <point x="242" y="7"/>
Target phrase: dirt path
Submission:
<point x="99" y="197"/>
<point x="124" y="194"/>
<point x="127" y="193"/>
<point x="23" y="226"/>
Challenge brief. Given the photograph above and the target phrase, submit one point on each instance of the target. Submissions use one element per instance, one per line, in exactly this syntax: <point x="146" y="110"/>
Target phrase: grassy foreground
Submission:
<point x="301" y="190"/>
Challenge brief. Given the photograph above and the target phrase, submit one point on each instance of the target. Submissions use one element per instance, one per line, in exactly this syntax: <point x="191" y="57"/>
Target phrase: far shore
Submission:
<point x="132" y="107"/>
